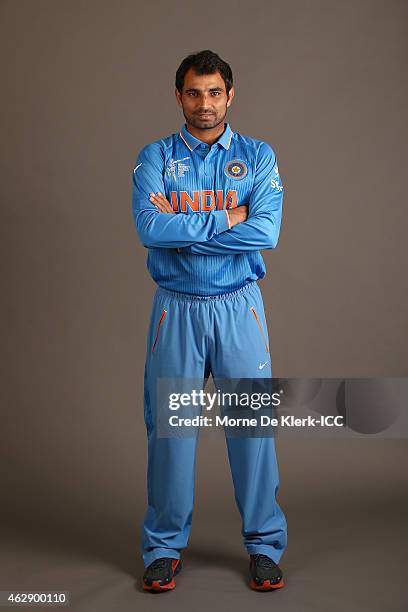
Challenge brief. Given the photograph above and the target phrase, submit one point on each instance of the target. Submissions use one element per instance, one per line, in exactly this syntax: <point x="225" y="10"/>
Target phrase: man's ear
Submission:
<point x="178" y="97"/>
<point x="230" y="96"/>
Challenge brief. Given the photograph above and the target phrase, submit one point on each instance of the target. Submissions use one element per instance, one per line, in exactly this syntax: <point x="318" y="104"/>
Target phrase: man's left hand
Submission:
<point x="161" y="203"/>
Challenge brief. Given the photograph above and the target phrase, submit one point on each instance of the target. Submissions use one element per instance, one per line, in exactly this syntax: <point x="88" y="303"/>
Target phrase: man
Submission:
<point x="205" y="202"/>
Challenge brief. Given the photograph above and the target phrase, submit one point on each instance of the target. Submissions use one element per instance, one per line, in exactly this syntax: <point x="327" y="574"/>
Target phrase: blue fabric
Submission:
<point x="195" y="251"/>
<point x="191" y="337"/>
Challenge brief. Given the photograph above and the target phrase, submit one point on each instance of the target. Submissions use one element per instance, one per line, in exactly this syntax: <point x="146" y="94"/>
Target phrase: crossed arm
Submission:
<point x="206" y="233"/>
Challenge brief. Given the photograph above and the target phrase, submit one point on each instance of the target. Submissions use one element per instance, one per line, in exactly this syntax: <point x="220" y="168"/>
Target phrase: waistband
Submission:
<point x="206" y="298"/>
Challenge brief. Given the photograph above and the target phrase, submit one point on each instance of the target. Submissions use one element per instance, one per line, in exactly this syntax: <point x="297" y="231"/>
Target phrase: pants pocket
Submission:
<point x="162" y="317"/>
<point x="256" y="317"/>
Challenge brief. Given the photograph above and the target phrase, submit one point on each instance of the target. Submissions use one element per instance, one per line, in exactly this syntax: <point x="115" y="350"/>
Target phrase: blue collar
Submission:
<point x="192" y="142"/>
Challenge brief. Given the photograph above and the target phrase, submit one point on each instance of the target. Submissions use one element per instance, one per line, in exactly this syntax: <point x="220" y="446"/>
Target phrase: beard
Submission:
<point x="205" y="124"/>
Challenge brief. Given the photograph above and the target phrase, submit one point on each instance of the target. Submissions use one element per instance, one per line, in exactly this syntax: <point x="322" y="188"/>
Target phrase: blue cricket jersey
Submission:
<point x="195" y="250"/>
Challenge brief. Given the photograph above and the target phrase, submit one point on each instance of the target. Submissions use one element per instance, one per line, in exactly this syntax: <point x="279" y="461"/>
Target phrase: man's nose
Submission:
<point x="205" y="101"/>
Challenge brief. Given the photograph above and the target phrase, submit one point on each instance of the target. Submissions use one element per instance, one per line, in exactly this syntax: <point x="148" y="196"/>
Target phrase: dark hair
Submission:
<point x="204" y="62"/>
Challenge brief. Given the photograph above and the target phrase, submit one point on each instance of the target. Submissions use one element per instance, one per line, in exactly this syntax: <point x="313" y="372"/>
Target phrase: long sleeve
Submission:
<point x="164" y="230"/>
<point x="261" y="229"/>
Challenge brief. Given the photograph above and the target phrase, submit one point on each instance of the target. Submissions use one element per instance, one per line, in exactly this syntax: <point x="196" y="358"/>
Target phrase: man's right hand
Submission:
<point x="238" y="214"/>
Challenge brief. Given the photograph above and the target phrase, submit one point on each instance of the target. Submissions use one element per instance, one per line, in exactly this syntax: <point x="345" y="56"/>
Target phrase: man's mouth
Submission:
<point x="205" y="114"/>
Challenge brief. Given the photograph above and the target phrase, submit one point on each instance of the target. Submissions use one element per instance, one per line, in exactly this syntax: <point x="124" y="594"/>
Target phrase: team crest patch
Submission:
<point x="236" y="169"/>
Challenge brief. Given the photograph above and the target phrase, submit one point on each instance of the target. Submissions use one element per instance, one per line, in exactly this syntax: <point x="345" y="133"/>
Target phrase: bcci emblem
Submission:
<point x="236" y="169"/>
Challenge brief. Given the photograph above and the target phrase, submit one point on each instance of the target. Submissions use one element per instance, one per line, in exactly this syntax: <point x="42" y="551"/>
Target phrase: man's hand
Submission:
<point x="161" y="203"/>
<point x="238" y="214"/>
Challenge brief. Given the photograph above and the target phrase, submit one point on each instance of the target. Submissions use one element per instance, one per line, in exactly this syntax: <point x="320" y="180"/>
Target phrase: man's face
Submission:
<point x="204" y="99"/>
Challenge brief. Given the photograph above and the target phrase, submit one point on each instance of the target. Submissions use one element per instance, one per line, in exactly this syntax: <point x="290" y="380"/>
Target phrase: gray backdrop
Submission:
<point x="86" y="84"/>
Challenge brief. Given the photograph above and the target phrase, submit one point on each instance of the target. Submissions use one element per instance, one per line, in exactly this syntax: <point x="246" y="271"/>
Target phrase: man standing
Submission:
<point x="205" y="202"/>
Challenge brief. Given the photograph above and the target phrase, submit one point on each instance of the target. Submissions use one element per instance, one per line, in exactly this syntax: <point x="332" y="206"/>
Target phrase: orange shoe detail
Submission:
<point x="266" y="586"/>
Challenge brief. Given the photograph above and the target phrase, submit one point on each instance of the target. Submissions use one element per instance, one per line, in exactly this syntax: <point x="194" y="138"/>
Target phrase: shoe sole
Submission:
<point x="267" y="585"/>
<point x="156" y="587"/>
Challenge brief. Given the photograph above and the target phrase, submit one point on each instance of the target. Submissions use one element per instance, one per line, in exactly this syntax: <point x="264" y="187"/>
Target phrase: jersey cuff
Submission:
<point x="222" y="220"/>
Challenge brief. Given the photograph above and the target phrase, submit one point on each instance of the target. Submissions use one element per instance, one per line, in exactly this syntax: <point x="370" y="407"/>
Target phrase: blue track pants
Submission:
<point x="190" y="337"/>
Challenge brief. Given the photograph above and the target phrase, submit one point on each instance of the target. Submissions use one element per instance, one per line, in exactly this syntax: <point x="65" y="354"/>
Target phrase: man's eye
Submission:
<point x="215" y="93"/>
